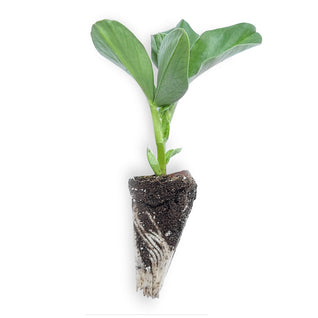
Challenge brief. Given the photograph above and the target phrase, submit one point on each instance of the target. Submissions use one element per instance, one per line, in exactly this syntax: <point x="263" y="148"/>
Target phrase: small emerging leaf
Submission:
<point x="115" y="42"/>
<point x="172" y="152"/>
<point x="166" y="114"/>
<point x="165" y="123"/>
<point x="217" y="45"/>
<point x="173" y="66"/>
<point x="154" y="164"/>
<point x="193" y="36"/>
<point x="156" y="39"/>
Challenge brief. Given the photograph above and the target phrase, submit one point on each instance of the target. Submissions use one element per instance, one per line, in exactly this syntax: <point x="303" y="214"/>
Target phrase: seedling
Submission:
<point x="180" y="55"/>
<point x="162" y="203"/>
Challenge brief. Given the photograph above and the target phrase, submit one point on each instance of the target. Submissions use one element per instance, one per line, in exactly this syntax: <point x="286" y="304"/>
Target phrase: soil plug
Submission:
<point x="161" y="203"/>
<point x="161" y="206"/>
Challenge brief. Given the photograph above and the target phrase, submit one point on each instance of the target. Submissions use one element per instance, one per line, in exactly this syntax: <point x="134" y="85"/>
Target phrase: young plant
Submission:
<point x="162" y="203"/>
<point x="180" y="54"/>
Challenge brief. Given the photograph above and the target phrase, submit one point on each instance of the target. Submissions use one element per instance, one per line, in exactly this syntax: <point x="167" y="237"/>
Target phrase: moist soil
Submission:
<point x="162" y="205"/>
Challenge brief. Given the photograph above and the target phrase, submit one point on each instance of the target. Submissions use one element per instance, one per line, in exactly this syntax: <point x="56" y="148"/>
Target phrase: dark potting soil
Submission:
<point x="162" y="205"/>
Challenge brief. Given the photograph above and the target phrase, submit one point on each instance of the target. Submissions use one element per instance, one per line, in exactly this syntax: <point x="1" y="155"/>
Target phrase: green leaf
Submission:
<point x="166" y="114"/>
<point x="165" y="128"/>
<point x="154" y="164"/>
<point x="217" y="45"/>
<point x="115" y="42"/>
<point x="156" y="39"/>
<point x="172" y="152"/>
<point x="173" y="65"/>
<point x="193" y="36"/>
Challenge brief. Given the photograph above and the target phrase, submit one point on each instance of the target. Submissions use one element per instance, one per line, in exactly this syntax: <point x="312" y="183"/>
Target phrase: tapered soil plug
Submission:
<point x="161" y="206"/>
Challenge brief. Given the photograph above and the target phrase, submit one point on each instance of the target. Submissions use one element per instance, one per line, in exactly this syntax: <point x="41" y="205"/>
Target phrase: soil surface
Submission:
<point x="161" y="206"/>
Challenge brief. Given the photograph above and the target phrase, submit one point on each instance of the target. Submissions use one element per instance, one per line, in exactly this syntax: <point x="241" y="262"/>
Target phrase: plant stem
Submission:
<point x="157" y="125"/>
<point x="161" y="157"/>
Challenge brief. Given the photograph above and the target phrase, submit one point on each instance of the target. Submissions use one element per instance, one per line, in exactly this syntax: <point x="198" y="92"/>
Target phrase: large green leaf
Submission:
<point x="118" y="44"/>
<point x="173" y="66"/>
<point x="217" y="45"/>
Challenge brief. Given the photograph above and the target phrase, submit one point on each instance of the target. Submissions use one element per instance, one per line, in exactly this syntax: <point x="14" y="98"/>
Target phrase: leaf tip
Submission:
<point x="259" y="38"/>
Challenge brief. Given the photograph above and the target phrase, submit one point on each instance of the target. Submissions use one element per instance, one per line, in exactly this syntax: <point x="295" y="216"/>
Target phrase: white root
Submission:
<point x="150" y="279"/>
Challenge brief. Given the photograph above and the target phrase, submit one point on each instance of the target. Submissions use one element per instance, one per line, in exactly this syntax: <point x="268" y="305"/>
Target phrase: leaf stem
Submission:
<point x="157" y="125"/>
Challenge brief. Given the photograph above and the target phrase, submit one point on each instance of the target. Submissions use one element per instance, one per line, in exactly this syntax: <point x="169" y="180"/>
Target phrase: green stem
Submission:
<point x="157" y="125"/>
<point x="161" y="157"/>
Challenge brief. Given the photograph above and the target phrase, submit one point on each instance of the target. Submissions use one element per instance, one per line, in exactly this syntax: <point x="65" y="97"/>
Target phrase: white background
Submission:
<point x="74" y="128"/>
